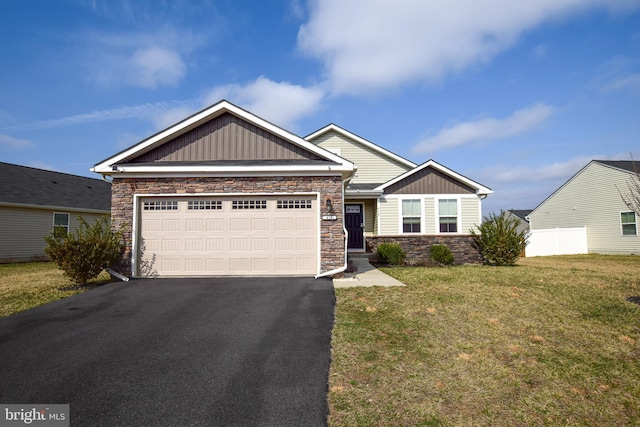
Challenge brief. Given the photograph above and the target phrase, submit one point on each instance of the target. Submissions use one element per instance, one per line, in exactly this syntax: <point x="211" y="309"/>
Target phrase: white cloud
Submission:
<point x="486" y="129"/>
<point x="369" y="45"/>
<point x="282" y="103"/>
<point x="42" y="165"/>
<point x="155" y="66"/>
<point x="12" y="143"/>
<point x="149" y="111"/>
<point x="629" y="82"/>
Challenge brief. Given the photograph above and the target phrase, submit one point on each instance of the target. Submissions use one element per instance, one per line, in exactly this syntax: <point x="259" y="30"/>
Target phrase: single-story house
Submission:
<point x="587" y="214"/>
<point x="225" y="192"/>
<point x="34" y="201"/>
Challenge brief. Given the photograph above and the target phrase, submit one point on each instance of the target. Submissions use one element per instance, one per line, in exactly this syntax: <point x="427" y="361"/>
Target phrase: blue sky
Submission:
<point x="515" y="95"/>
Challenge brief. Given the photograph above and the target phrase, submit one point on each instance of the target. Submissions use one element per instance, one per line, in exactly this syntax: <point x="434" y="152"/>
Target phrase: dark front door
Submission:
<point x="354" y="221"/>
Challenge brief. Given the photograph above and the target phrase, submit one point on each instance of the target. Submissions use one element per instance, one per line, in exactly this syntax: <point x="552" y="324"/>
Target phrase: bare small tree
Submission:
<point x="632" y="197"/>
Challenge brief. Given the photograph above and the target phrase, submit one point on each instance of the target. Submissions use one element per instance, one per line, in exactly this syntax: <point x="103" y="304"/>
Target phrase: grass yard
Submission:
<point x="552" y="341"/>
<point x="28" y="285"/>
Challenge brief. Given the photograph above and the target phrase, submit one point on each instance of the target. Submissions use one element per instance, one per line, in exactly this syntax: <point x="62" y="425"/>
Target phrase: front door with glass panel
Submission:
<point x="354" y="221"/>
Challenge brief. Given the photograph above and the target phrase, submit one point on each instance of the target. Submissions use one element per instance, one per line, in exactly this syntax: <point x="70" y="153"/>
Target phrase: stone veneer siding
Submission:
<point x="332" y="244"/>
<point x="417" y="246"/>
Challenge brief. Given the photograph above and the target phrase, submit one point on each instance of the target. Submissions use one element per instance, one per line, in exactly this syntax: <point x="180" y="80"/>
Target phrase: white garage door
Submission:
<point x="228" y="236"/>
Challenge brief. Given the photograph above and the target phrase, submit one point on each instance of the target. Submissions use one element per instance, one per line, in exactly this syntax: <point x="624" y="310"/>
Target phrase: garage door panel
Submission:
<point x="171" y="245"/>
<point x="171" y="224"/>
<point x="215" y="245"/>
<point x="195" y="225"/>
<point x="207" y="236"/>
<point x="194" y="245"/>
<point x="216" y="224"/>
<point x="260" y="244"/>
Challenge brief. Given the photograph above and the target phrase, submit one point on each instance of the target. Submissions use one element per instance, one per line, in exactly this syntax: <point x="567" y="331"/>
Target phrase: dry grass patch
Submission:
<point x="28" y="285"/>
<point x="552" y="341"/>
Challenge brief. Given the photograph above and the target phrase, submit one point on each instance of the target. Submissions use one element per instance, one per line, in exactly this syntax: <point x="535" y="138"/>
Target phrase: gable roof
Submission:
<point x="26" y="186"/>
<point x="521" y="213"/>
<point x="625" y="165"/>
<point x="620" y="165"/>
<point x="479" y="188"/>
<point x="383" y="152"/>
<point x="320" y="161"/>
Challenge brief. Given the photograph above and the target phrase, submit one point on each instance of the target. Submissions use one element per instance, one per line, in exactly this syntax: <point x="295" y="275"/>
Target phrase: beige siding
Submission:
<point x="430" y="215"/>
<point x="22" y="231"/>
<point x="470" y="211"/>
<point x="590" y="199"/>
<point x="372" y="167"/>
<point x="226" y="138"/>
<point x="388" y="216"/>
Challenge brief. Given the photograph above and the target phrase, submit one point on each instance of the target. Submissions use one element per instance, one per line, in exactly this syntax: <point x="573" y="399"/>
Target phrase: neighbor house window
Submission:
<point x="61" y="223"/>
<point x="628" y="220"/>
<point x="411" y="214"/>
<point x="448" y="215"/>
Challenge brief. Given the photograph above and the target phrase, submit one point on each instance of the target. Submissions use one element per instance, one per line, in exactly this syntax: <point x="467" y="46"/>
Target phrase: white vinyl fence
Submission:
<point x="557" y="241"/>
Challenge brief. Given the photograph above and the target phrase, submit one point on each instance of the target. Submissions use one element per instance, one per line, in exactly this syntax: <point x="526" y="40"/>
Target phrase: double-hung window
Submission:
<point x="61" y="223"/>
<point x="411" y="215"/>
<point x="448" y="215"/>
<point x="628" y="221"/>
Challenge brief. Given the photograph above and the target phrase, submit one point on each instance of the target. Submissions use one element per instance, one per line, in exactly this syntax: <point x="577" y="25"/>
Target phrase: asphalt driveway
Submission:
<point x="223" y="351"/>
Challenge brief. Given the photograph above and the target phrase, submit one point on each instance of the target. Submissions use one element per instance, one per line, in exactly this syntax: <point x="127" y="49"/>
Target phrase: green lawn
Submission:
<point x="552" y="341"/>
<point x="28" y="285"/>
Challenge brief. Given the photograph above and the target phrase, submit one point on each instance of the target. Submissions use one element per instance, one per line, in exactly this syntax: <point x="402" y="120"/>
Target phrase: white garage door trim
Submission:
<point x="138" y="200"/>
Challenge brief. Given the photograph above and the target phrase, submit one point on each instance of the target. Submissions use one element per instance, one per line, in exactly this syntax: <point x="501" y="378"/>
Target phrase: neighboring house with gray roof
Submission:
<point x="520" y="215"/>
<point x="33" y="201"/>
<point x="590" y="201"/>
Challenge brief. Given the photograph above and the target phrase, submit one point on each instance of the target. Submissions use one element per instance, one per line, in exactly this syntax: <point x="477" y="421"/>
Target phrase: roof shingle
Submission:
<point x="31" y="186"/>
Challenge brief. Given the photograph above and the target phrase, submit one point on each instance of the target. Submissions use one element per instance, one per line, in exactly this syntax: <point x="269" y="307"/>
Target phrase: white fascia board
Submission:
<point x="133" y="170"/>
<point x="362" y="141"/>
<point x="205" y="115"/>
<point x="480" y="189"/>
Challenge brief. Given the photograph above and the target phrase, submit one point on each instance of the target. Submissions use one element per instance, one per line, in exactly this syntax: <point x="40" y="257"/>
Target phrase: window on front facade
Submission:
<point x="61" y="223"/>
<point x="411" y="214"/>
<point x="628" y="220"/>
<point x="448" y="215"/>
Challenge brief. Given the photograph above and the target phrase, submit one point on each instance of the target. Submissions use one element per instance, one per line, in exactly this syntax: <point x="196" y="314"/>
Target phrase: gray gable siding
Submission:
<point x="30" y="186"/>
<point x="226" y="137"/>
<point x="429" y="181"/>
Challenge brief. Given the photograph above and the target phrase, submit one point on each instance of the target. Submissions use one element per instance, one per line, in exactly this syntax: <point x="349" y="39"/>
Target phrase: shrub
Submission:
<point x="441" y="254"/>
<point x="82" y="254"/>
<point x="391" y="253"/>
<point x="498" y="239"/>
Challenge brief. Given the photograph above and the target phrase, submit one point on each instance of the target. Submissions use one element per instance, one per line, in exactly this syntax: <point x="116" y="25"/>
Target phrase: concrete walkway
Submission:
<point x="365" y="275"/>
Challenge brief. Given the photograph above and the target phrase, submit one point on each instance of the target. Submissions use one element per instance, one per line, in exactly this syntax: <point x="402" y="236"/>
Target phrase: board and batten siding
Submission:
<point x="22" y="231"/>
<point x="226" y="138"/>
<point x="590" y="199"/>
<point x="372" y="167"/>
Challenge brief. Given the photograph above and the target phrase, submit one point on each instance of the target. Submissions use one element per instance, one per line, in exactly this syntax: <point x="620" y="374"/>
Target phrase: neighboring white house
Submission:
<point x="34" y="201"/>
<point x="587" y="214"/>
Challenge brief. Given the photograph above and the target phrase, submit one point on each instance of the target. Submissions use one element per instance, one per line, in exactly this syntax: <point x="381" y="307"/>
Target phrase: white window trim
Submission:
<point x="400" y="216"/>
<point x="458" y="200"/>
<point x="621" y="228"/>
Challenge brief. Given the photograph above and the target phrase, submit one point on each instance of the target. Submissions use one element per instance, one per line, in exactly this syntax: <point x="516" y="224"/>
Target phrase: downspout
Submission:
<point x="346" y="239"/>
